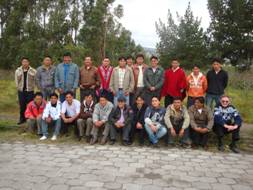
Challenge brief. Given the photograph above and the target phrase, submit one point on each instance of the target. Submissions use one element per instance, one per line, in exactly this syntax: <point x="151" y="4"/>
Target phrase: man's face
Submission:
<point x="106" y="62"/>
<point x="139" y="60"/>
<point x="67" y="59"/>
<point x="47" y="61"/>
<point x="53" y="99"/>
<point x="130" y="62"/>
<point x="155" y="102"/>
<point x="216" y="66"/>
<point x="154" y="62"/>
<point x="198" y="105"/>
<point x="122" y="63"/>
<point x="88" y="99"/>
<point x="121" y="104"/>
<point x="174" y="64"/>
<point x="69" y="98"/>
<point x="177" y="104"/>
<point x="38" y="100"/>
<point x="102" y="101"/>
<point x="225" y="102"/>
<point x="139" y="101"/>
<point x="87" y="61"/>
<point x="25" y="63"/>
<point x="195" y="70"/>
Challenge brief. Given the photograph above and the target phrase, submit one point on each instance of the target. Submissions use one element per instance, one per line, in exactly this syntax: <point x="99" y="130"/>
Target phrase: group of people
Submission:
<point x="127" y="99"/>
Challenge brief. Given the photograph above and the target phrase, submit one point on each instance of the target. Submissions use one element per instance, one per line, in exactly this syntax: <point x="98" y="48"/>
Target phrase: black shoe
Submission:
<point x="234" y="149"/>
<point x="80" y="138"/>
<point x="221" y="148"/>
<point x="126" y="143"/>
<point x="155" y="145"/>
<point x="21" y="122"/>
<point x="112" y="142"/>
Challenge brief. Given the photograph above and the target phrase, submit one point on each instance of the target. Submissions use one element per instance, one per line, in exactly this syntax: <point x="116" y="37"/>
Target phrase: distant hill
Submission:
<point x="150" y="51"/>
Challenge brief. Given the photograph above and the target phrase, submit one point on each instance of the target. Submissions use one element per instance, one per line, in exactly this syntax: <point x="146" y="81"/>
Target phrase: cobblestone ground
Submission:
<point x="74" y="167"/>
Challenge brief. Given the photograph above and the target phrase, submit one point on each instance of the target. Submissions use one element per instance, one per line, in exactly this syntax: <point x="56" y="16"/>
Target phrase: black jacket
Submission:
<point x="216" y="82"/>
<point x="138" y="115"/>
<point x="116" y="113"/>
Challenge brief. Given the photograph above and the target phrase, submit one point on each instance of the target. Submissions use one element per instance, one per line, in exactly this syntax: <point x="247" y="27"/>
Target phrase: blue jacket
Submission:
<point x="72" y="77"/>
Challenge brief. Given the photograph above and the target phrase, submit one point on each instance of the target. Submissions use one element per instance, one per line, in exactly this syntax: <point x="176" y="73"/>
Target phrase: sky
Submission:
<point x="140" y="16"/>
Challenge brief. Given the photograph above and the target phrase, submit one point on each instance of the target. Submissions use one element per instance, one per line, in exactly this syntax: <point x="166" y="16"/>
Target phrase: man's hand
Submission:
<point x="119" y="125"/>
<point x="139" y="126"/>
<point x="181" y="132"/>
<point x="126" y="93"/>
<point x="48" y="119"/>
<point x="173" y="132"/>
<point x="99" y="123"/>
<point x="197" y="129"/>
<point x="152" y="88"/>
<point x="203" y="130"/>
<point x="153" y="128"/>
<point x="93" y="87"/>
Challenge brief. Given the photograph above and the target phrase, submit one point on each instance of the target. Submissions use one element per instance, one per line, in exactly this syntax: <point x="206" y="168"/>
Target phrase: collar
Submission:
<point x="174" y="70"/>
<point x="84" y="103"/>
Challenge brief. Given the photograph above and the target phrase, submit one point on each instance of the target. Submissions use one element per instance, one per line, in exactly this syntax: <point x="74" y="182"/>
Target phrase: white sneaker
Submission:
<point x="43" y="138"/>
<point x="54" y="138"/>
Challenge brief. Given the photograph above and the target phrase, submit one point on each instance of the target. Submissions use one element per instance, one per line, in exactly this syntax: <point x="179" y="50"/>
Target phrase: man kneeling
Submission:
<point x="120" y="119"/>
<point x="51" y="116"/>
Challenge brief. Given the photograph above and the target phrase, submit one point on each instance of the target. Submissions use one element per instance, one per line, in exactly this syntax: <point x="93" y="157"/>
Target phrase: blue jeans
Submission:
<point x="210" y="98"/>
<point x="118" y="94"/>
<point x="55" y="123"/>
<point x="155" y="136"/>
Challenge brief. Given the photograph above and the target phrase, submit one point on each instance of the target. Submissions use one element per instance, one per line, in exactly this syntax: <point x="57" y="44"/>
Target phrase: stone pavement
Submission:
<point x="57" y="166"/>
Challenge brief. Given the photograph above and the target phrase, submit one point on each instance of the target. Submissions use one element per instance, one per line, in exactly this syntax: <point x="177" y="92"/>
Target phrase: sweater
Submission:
<point x="101" y="113"/>
<point x="196" y="86"/>
<point x="154" y="116"/>
<point x="216" y="82"/>
<point x="86" y="110"/>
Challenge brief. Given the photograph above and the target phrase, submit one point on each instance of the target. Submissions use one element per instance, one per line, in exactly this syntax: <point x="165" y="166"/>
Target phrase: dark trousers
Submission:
<point x="221" y="131"/>
<point x="24" y="98"/>
<point x="168" y="100"/>
<point x="87" y="91"/>
<point x="141" y="133"/>
<point x="183" y="140"/>
<point x="199" y="138"/>
<point x="190" y="101"/>
<point x="65" y="127"/>
<point x="108" y="94"/>
<point x="125" y="130"/>
<point x="148" y="95"/>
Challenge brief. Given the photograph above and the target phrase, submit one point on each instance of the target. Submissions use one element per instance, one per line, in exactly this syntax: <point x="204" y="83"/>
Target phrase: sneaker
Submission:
<point x="221" y="148"/>
<point x="54" y="138"/>
<point x="43" y="138"/>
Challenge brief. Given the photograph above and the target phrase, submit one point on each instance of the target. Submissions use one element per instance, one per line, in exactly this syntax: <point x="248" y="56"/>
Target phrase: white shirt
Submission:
<point x="200" y="111"/>
<point x="71" y="110"/>
<point x="53" y="112"/>
<point x="140" y="77"/>
<point x="122" y="72"/>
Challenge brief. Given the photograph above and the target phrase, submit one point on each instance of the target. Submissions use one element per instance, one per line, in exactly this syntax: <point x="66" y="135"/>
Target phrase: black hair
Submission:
<point x="174" y="59"/>
<point x="48" y="56"/>
<point x="67" y="54"/>
<point x="155" y="97"/>
<point x="201" y="99"/>
<point x="216" y="59"/>
<point x="177" y="98"/>
<point x="196" y="65"/>
<point x="103" y="96"/>
<point x="129" y="57"/>
<point x="153" y="57"/>
<point x="139" y="96"/>
<point x="69" y="93"/>
<point x="38" y="94"/>
<point x="139" y="55"/>
<point x="53" y="95"/>
<point x="26" y="58"/>
<point x="121" y="57"/>
<point x="88" y="94"/>
<point x="106" y="57"/>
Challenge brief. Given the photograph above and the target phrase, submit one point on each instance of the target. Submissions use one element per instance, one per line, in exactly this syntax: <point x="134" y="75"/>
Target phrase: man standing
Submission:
<point x="105" y="72"/>
<point x="122" y="81"/>
<point x="25" y="83"/>
<point x="227" y="120"/>
<point x="66" y="76"/>
<point x="45" y="77"/>
<point x="89" y="79"/>
<point x="34" y="112"/>
<point x="217" y="80"/>
<point x="153" y="80"/>
<point x="100" y="117"/>
<point x="174" y="83"/>
<point x="129" y="61"/>
<point x="139" y="69"/>
<point x="196" y="85"/>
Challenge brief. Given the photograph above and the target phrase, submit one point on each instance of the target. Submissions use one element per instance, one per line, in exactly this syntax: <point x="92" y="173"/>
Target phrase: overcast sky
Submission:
<point x="140" y="16"/>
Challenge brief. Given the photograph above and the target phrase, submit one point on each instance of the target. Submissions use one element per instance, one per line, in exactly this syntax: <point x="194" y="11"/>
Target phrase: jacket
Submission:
<point x="196" y="87"/>
<point x="228" y="115"/>
<point x="154" y="79"/>
<point x="138" y="114"/>
<point x="86" y="110"/>
<point x="174" y="83"/>
<point x="173" y="118"/>
<point x="102" y="113"/>
<point x="19" y="79"/>
<point x="53" y="112"/>
<point x="89" y="77"/>
<point x="216" y="82"/>
<point x="154" y="116"/>
<point x="203" y="119"/>
<point x="72" y="77"/>
<point x="32" y="110"/>
<point x="45" y="78"/>
<point x="128" y="82"/>
<point x="136" y="72"/>
<point x="116" y="113"/>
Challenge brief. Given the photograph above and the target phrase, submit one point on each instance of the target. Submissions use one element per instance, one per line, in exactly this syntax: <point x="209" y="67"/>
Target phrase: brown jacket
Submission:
<point x="203" y="119"/>
<point x="136" y="72"/>
<point x="89" y="77"/>
<point x="86" y="110"/>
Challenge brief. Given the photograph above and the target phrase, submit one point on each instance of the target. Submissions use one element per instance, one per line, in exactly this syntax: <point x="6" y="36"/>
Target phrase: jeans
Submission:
<point x="55" y="123"/>
<point x="118" y="94"/>
<point x="24" y="98"/>
<point x="210" y="98"/>
<point x="155" y="136"/>
<point x="35" y="124"/>
<point x="47" y="91"/>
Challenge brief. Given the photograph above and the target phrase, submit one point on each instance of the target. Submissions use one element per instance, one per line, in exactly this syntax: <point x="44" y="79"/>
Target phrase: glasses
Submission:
<point x="224" y="101"/>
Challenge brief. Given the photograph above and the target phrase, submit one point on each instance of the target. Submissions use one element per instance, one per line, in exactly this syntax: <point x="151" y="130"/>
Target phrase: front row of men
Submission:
<point x="192" y="126"/>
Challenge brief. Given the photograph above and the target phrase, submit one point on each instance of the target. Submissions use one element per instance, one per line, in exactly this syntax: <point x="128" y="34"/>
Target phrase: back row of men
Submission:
<point x="125" y="85"/>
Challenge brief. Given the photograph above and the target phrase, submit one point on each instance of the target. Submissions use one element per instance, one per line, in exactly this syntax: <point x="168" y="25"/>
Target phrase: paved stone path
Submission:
<point x="56" y="166"/>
